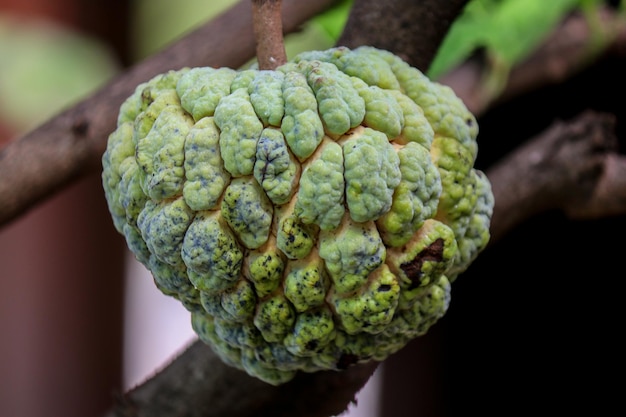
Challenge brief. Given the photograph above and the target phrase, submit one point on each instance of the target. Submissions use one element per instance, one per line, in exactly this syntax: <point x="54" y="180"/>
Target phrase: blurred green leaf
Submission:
<point x="44" y="68"/>
<point x="508" y="30"/>
<point x="156" y="23"/>
<point x="334" y="19"/>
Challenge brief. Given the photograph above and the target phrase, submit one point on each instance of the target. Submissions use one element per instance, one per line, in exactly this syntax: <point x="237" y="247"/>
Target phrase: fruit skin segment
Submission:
<point x="309" y="217"/>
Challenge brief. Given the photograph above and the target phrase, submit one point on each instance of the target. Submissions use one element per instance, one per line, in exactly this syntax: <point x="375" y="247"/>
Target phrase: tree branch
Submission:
<point x="199" y="384"/>
<point x="573" y="166"/>
<point x="71" y="144"/>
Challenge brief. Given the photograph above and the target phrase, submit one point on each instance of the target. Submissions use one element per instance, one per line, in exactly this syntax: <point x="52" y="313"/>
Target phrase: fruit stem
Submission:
<point x="268" y="31"/>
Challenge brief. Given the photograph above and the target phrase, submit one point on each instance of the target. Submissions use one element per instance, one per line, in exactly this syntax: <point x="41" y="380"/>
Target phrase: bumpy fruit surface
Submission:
<point x="310" y="217"/>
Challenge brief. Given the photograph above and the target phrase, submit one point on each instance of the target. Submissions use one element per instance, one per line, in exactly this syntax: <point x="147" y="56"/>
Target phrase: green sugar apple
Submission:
<point x="309" y="217"/>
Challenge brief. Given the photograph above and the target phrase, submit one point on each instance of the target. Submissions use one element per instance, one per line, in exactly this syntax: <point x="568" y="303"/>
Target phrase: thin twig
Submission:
<point x="268" y="31"/>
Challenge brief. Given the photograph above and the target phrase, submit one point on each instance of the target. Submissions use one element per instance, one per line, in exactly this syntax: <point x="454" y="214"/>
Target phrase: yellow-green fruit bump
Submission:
<point x="476" y="235"/>
<point x="415" y="199"/>
<point x="310" y="217"/>
<point x="306" y="283"/>
<point x="163" y="227"/>
<point x="301" y="124"/>
<point x="321" y="193"/>
<point x="339" y="103"/>
<point x="240" y="129"/>
<point x="351" y="253"/>
<point x="204" y="168"/>
<point x="248" y="211"/>
<point x="295" y="239"/>
<point x="275" y="169"/>
<point x="427" y="256"/>
<point x="265" y="267"/>
<point x="382" y="110"/>
<point x="161" y="153"/>
<point x="211" y="252"/>
<point x="372" y="172"/>
<point x="266" y="96"/>
<point x="131" y="195"/>
<point x="371" y="308"/>
<point x="274" y="318"/>
<point x="313" y="330"/>
<point x="120" y="147"/>
<point x="200" y="89"/>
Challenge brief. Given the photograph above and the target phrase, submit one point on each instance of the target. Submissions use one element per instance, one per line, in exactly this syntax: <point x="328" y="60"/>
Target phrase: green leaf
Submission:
<point x="334" y="19"/>
<point x="508" y="30"/>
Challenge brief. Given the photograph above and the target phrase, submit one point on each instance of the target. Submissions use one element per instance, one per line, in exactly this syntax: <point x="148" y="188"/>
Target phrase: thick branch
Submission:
<point x="573" y="167"/>
<point x="411" y="29"/>
<point x="71" y="144"/>
<point x="268" y="32"/>
<point x="198" y="384"/>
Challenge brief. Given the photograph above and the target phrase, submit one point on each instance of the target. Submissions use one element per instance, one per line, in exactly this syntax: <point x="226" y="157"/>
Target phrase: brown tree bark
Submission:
<point x="198" y="384"/>
<point x="572" y="167"/>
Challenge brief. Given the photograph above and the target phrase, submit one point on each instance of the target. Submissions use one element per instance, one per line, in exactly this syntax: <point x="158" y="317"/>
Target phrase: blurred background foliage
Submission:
<point x="507" y="31"/>
<point x="46" y="67"/>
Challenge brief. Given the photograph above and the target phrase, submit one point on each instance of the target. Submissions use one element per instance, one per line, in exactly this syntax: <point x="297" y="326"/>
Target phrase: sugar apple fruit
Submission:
<point x="309" y="217"/>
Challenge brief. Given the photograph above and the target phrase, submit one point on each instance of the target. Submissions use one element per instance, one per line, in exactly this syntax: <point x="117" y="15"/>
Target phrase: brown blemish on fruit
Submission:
<point x="413" y="268"/>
